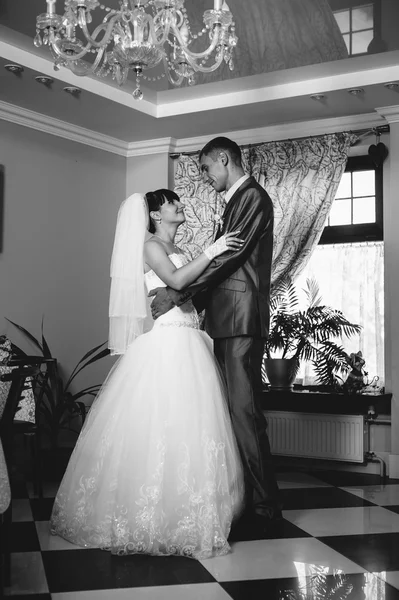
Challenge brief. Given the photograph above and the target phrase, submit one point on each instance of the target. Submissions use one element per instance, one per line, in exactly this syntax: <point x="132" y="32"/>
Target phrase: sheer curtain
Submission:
<point x="351" y="279"/>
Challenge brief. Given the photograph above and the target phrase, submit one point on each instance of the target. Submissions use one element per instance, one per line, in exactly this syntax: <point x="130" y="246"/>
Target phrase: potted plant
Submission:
<point x="60" y="408"/>
<point x="307" y="334"/>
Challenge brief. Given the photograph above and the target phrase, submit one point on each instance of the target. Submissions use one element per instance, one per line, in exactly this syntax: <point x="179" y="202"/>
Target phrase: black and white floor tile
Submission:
<point x="339" y="540"/>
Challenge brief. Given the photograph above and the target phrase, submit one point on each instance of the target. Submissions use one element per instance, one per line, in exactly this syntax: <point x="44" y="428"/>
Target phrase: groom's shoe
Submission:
<point x="266" y="527"/>
<point x="257" y="527"/>
<point x="242" y="529"/>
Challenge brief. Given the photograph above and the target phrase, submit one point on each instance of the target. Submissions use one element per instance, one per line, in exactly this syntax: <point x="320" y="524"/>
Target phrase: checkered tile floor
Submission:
<point x="340" y="539"/>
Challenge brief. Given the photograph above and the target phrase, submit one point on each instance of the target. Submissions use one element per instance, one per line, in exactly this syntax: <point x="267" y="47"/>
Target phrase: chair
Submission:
<point x="17" y="377"/>
<point x="35" y="368"/>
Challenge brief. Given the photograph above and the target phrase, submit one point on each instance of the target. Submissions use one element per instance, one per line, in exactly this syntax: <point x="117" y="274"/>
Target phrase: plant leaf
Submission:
<point x="45" y="348"/>
<point x="30" y="337"/>
<point x="89" y="353"/>
<point x="94" y="359"/>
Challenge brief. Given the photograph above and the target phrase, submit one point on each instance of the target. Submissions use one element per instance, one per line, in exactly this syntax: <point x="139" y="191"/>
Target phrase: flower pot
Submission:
<point x="281" y="373"/>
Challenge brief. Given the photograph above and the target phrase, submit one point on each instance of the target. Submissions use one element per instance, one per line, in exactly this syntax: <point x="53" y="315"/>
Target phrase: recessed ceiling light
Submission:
<point x="44" y="79"/>
<point x="74" y="91"/>
<point x="356" y="91"/>
<point x="16" y="69"/>
<point x="317" y="97"/>
<point x="392" y="85"/>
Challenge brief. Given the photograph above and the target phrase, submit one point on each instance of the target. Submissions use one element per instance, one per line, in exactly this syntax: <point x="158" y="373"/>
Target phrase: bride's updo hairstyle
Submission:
<point x="155" y="200"/>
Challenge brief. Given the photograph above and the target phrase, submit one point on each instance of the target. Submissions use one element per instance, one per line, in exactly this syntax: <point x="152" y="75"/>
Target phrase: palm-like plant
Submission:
<point x="321" y="584"/>
<point x="309" y="334"/>
<point x="59" y="405"/>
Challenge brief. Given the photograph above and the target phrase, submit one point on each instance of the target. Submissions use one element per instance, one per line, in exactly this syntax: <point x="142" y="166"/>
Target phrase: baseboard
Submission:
<point x="309" y="464"/>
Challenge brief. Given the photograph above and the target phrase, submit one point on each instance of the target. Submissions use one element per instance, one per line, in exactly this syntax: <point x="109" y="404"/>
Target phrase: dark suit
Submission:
<point x="235" y="291"/>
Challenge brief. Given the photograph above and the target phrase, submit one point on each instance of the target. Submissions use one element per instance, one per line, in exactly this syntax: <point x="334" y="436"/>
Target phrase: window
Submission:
<point x="359" y="22"/>
<point x="356" y="213"/>
<point x="348" y="263"/>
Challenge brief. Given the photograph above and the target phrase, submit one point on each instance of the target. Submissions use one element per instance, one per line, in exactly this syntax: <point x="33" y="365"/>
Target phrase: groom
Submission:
<point x="235" y="291"/>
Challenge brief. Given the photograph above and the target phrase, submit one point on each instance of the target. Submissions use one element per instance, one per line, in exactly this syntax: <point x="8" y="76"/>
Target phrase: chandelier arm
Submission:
<point x="194" y="55"/>
<point x="203" y="69"/>
<point x="100" y="54"/>
<point x="174" y="82"/>
<point x="92" y="39"/>
<point x="165" y="35"/>
<point x="68" y="57"/>
<point x="90" y="69"/>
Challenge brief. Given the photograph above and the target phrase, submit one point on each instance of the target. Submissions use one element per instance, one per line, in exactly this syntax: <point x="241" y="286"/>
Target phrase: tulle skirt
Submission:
<point x="156" y="469"/>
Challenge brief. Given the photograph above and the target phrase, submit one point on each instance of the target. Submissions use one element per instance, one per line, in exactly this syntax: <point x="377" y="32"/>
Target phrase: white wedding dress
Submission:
<point x="156" y="468"/>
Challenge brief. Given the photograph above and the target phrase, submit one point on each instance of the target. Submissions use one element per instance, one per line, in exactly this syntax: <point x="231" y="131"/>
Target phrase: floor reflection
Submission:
<point x="316" y="582"/>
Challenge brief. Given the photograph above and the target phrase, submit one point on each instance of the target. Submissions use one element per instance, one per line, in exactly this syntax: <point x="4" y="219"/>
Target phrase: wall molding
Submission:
<point x="40" y="122"/>
<point x="287" y="131"/>
<point x="68" y="131"/>
<point x="390" y="113"/>
<point x="156" y="146"/>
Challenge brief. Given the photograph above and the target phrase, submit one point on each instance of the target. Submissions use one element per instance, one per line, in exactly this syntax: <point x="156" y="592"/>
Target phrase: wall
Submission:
<point x="389" y="23"/>
<point x="148" y="172"/>
<point x="391" y="244"/>
<point x="61" y="202"/>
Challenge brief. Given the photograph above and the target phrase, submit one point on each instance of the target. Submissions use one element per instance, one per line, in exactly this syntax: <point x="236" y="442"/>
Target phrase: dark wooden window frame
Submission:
<point x="363" y="232"/>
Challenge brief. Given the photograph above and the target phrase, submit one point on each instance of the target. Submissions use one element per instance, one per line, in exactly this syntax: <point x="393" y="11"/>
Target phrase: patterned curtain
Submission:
<point x="301" y="177"/>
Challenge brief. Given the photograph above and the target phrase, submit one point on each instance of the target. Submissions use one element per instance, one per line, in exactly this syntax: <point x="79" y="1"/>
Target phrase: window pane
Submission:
<point x="347" y="40"/>
<point x="364" y="183"/>
<point x="363" y="210"/>
<point x="361" y="41"/>
<point x="362" y="18"/>
<point x="342" y="18"/>
<point x="344" y="188"/>
<point x="340" y="212"/>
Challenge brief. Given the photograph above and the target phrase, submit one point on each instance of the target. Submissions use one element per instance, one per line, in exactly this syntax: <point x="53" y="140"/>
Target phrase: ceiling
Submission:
<point x="259" y="99"/>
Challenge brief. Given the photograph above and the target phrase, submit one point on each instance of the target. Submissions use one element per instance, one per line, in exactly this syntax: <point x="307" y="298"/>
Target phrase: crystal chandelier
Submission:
<point x="138" y="36"/>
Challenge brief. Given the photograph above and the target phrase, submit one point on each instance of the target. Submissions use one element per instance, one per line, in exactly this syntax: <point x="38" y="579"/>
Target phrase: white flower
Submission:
<point x="218" y="219"/>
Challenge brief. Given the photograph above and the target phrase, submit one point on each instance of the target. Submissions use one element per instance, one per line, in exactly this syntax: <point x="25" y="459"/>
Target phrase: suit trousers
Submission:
<point x="240" y="359"/>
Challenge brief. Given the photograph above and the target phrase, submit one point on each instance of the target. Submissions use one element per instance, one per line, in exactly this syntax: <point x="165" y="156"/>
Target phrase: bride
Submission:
<point x="156" y="468"/>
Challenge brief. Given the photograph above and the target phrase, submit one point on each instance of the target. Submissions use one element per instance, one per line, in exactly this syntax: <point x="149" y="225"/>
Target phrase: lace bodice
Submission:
<point x="179" y="316"/>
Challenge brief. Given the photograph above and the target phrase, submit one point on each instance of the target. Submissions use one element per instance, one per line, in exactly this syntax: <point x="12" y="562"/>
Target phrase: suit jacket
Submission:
<point x="235" y="288"/>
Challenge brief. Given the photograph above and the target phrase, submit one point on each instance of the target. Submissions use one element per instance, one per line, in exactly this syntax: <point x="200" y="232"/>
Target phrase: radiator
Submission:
<point x="333" y="437"/>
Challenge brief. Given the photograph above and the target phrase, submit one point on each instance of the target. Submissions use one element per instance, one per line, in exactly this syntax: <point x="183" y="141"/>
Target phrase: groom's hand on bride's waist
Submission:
<point x="165" y="299"/>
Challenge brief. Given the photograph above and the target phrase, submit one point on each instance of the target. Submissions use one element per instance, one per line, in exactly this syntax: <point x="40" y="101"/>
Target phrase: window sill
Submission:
<point x="326" y="402"/>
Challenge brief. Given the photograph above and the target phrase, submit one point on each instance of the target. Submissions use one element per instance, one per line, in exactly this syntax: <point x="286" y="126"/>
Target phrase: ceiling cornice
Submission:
<point x="287" y="131"/>
<point x="166" y="145"/>
<point x="74" y="133"/>
<point x="155" y="146"/>
<point x="390" y="113"/>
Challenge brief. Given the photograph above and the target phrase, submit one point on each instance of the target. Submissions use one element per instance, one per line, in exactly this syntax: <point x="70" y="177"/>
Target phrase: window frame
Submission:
<point x="338" y="5"/>
<point x="362" y="232"/>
